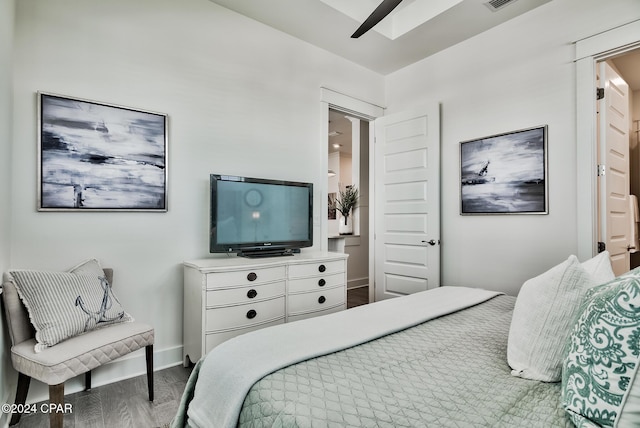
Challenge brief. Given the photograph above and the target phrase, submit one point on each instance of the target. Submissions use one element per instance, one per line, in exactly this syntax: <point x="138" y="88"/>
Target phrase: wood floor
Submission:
<point x="357" y="296"/>
<point x="126" y="404"/>
<point x="122" y="404"/>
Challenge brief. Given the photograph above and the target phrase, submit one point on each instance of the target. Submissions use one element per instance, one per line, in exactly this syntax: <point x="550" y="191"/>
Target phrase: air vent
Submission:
<point x="495" y="5"/>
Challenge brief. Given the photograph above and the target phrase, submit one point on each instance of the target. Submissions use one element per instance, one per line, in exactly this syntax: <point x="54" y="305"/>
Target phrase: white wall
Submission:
<point x="518" y="75"/>
<point x="6" y="38"/>
<point x="241" y="99"/>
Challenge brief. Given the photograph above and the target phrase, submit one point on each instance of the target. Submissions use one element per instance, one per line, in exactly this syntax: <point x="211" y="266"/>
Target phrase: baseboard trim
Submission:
<point x="357" y="283"/>
<point x="129" y="366"/>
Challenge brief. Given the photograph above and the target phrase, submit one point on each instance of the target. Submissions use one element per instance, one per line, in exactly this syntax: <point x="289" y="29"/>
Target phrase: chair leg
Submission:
<point x="21" y="396"/>
<point x="149" y="353"/>
<point x="87" y="381"/>
<point x="56" y="397"/>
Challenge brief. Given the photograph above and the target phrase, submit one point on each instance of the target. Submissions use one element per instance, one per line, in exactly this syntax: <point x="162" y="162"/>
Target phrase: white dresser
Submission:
<point x="225" y="297"/>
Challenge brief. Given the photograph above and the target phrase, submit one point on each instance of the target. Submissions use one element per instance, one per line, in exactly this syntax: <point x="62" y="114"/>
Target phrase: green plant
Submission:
<point x="347" y="200"/>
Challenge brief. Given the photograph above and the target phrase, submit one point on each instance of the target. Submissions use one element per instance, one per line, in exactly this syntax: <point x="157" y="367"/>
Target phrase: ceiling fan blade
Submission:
<point x="376" y="16"/>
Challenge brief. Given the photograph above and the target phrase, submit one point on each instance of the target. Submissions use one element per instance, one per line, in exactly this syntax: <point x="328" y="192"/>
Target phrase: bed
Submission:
<point x="438" y="358"/>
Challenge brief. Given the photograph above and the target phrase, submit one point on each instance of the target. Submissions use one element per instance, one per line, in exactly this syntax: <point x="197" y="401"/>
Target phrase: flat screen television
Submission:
<point x="256" y="217"/>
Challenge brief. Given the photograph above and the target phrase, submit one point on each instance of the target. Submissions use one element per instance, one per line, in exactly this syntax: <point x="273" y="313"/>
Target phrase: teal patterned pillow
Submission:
<point x="601" y="367"/>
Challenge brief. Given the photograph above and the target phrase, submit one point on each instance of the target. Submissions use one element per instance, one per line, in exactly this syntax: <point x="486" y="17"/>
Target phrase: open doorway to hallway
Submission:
<point x="348" y="167"/>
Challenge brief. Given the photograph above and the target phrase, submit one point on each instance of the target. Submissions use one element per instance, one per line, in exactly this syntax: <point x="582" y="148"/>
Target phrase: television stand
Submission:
<point x="276" y="252"/>
<point x="228" y="296"/>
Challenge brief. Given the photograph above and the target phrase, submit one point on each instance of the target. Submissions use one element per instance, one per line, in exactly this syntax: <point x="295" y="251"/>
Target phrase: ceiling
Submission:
<point x="415" y="30"/>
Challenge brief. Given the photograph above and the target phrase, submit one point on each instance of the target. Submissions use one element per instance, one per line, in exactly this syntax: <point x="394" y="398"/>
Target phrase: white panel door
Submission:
<point x="613" y="131"/>
<point x="407" y="203"/>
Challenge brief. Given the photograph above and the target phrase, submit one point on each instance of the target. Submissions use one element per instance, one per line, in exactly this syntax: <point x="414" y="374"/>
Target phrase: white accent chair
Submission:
<point x="70" y="358"/>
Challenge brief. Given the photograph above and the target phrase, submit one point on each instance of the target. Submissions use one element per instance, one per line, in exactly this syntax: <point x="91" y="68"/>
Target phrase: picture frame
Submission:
<point x="96" y="156"/>
<point x="331" y="206"/>
<point x="505" y="173"/>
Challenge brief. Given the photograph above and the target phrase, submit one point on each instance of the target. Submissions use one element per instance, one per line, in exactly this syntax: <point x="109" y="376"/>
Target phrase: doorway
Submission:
<point x="348" y="168"/>
<point x="367" y="112"/>
<point x="618" y="115"/>
<point x="588" y="53"/>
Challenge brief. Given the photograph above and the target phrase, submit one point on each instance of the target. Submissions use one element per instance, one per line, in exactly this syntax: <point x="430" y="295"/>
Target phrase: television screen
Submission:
<point x="254" y="216"/>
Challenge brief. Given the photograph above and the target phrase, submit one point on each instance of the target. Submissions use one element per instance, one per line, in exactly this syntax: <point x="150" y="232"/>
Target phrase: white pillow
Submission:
<point x="599" y="267"/>
<point x="543" y="316"/>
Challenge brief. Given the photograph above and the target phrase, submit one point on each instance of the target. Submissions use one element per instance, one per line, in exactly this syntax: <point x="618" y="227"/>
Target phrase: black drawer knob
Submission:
<point x="322" y="268"/>
<point x="251" y="314"/>
<point x="252" y="293"/>
<point x="322" y="282"/>
<point x="322" y="299"/>
<point x="252" y="276"/>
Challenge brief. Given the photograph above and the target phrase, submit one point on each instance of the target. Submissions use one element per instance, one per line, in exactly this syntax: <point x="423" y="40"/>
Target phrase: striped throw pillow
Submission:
<point x="65" y="304"/>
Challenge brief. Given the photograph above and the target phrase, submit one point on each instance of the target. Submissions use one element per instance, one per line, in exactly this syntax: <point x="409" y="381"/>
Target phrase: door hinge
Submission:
<point x="601" y="247"/>
<point x="599" y="93"/>
<point x="601" y="170"/>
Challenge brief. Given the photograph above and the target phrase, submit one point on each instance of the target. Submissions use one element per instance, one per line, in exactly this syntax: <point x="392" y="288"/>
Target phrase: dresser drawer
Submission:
<point x="319" y="268"/>
<point x="243" y="315"/>
<point x="212" y="340"/>
<point x="245" y="277"/>
<point x="318" y="300"/>
<point x="242" y="295"/>
<point x="306" y="315"/>
<point x="320" y="282"/>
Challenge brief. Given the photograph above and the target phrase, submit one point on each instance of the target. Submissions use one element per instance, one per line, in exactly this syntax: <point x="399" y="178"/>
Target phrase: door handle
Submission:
<point x="431" y="242"/>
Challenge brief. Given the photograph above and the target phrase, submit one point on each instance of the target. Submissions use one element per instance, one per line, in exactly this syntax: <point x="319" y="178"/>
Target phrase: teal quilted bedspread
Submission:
<point x="448" y="372"/>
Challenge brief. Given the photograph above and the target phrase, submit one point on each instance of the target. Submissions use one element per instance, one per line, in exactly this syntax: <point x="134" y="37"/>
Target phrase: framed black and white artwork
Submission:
<point x="505" y="173"/>
<point x="96" y="156"/>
